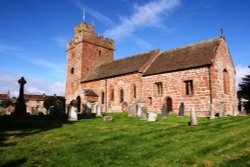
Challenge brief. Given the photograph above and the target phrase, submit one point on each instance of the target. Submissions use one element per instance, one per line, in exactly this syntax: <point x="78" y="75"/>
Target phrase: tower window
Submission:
<point x="72" y="70"/>
<point x="100" y="52"/>
<point x="159" y="88"/>
<point x="189" y="87"/>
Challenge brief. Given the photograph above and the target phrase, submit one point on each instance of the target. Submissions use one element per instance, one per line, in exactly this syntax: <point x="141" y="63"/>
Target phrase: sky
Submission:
<point x="33" y="33"/>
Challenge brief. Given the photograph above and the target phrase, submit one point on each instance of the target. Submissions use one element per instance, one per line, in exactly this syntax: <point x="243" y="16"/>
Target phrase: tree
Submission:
<point x="244" y="91"/>
<point x="49" y="101"/>
<point x="5" y="103"/>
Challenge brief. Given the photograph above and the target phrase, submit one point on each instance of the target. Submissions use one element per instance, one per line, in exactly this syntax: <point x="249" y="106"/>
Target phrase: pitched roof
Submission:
<point x="4" y="97"/>
<point x="194" y="55"/>
<point x="122" y="66"/>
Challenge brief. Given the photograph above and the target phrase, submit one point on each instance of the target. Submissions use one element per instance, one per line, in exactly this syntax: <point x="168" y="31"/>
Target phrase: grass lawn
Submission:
<point x="42" y="141"/>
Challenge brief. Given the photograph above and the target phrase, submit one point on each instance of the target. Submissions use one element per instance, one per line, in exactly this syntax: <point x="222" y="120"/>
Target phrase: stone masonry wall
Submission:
<point x="125" y="82"/>
<point x="222" y="61"/>
<point x="174" y="87"/>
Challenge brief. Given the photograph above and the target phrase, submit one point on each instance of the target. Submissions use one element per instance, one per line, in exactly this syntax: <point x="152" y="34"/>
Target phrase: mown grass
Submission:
<point x="126" y="141"/>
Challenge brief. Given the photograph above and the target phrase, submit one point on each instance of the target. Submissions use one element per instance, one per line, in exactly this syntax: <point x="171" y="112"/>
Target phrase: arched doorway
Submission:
<point x="169" y="105"/>
<point x="78" y="99"/>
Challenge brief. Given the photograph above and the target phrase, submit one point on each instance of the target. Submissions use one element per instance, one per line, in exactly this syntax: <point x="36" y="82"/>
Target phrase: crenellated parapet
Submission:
<point x="86" y="33"/>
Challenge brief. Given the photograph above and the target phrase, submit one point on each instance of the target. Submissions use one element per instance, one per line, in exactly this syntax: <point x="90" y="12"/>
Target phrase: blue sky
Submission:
<point x="33" y="33"/>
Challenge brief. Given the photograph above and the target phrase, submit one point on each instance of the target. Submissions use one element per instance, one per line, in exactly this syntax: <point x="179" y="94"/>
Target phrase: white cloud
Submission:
<point x="97" y="15"/>
<point x="55" y="68"/>
<point x="241" y="72"/>
<point x="60" y="41"/>
<point x="148" y="15"/>
<point x="33" y="86"/>
<point x="8" y="49"/>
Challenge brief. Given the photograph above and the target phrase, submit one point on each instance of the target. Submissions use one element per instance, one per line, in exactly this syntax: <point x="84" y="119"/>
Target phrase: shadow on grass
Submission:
<point x="18" y="162"/>
<point x="21" y="126"/>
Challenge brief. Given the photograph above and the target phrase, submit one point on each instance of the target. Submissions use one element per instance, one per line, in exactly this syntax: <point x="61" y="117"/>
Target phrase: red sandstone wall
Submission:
<point x="125" y="82"/>
<point x="174" y="87"/>
<point x="223" y="61"/>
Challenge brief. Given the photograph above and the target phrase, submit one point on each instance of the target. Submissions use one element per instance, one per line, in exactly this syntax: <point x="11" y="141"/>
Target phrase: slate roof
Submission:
<point x="120" y="67"/>
<point x="190" y="56"/>
<point x="194" y="55"/>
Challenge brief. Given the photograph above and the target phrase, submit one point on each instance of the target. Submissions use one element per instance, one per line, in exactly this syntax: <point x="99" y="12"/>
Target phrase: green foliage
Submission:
<point x="5" y="103"/>
<point x="245" y="90"/>
<point x="126" y="141"/>
<point x="49" y="101"/>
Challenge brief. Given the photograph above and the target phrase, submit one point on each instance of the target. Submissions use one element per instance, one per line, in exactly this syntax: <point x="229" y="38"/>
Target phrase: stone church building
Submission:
<point x="199" y="75"/>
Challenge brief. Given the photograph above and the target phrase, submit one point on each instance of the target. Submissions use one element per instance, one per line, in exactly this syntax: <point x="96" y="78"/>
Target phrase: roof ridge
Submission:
<point x="194" y="44"/>
<point x="135" y="55"/>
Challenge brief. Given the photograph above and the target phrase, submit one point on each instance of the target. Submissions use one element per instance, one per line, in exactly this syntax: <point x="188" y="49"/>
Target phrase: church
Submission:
<point x="199" y="75"/>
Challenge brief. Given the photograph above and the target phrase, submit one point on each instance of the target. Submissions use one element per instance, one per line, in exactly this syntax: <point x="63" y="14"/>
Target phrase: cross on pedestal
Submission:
<point x="20" y="108"/>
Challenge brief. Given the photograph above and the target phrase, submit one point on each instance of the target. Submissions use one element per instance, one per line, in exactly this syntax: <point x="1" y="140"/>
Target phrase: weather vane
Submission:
<point x="221" y="32"/>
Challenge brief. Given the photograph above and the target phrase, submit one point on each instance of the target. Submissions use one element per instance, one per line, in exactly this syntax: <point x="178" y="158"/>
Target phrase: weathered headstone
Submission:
<point x="132" y="109"/>
<point x="72" y="115"/>
<point x="20" y="108"/>
<point x="140" y="103"/>
<point x="98" y="109"/>
<point x="59" y="108"/>
<point x="107" y="118"/>
<point x="212" y="114"/>
<point x="221" y="113"/>
<point x="181" y="110"/>
<point x="87" y="110"/>
<point x="152" y="117"/>
<point x="144" y="115"/>
<point x="109" y="108"/>
<point x="193" y="117"/>
<point x="164" y="113"/>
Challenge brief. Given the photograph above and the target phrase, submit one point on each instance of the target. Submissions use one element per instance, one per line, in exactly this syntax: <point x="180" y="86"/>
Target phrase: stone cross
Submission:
<point x="22" y="82"/>
<point x="20" y="108"/>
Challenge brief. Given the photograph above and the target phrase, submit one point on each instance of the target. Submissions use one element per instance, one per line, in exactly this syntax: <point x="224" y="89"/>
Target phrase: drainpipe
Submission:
<point x="210" y="85"/>
<point x="106" y="96"/>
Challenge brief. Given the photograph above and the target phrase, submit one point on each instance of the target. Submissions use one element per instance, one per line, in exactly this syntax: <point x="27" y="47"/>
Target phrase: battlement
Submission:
<point x="86" y="33"/>
<point x="83" y="26"/>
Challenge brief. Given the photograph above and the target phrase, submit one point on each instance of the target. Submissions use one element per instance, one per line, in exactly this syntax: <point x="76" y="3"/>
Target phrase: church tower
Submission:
<point x="85" y="52"/>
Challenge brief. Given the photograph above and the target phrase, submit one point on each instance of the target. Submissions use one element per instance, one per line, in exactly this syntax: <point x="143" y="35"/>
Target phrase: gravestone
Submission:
<point x="152" y="117"/>
<point x="20" y="108"/>
<point x="109" y="108"/>
<point x="72" y="115"/>
<point x="140" y="103"/>
<point x="132" y="109"/>
<point x="59" y="108"/>
<point x="144" y="115"/>
<point x="193" y="117"/>
<point x="181" y="110"/>
<point x="98" y="109"/>
<point x="52" y="111"/>
<point x="221" y="113"/>
<point x="212" y="114"/>
<point x="164" y="113"/>
<point x="107" y="118"/>
<point x="87" y="110"/>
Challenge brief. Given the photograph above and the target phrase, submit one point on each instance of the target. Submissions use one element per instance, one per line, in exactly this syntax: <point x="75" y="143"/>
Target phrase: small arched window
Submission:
<point x="112" y="94"/>
<point x="226" y="82"/>
<point x="133" y="91"/>
<point x="121" y="96"/>
<point x="103" y="97"/>
<point x="72" y="70"/>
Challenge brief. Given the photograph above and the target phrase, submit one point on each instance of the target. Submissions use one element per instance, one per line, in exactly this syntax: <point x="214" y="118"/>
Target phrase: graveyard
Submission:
<point x="124" y="141"/>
